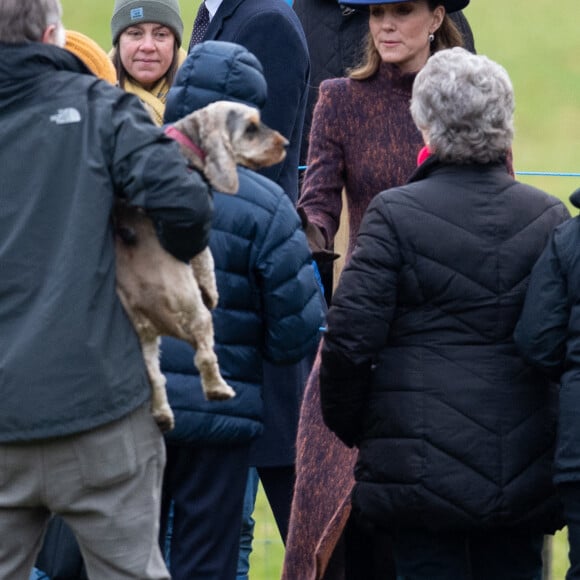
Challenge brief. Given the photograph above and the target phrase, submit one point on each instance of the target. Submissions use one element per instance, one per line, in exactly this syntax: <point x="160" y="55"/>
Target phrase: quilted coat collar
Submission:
<point x="433" y="164"/>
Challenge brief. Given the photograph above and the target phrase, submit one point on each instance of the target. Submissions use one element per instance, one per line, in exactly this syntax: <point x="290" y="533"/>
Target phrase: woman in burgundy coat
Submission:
<point x="363" y="139"/>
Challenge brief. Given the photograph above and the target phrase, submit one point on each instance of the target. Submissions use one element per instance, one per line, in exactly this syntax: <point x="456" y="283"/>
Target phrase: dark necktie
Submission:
<point x="199" y="26"/>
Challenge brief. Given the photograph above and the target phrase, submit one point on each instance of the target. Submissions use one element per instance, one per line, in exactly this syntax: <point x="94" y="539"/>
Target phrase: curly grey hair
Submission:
<point x="464" y="104"/>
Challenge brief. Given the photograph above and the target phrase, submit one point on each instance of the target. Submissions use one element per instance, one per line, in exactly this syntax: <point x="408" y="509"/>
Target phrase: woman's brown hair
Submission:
<point x="446" y="36"/>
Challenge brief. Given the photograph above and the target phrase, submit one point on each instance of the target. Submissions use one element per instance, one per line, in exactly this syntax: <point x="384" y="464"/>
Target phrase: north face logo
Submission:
<point x="66" y="116"/>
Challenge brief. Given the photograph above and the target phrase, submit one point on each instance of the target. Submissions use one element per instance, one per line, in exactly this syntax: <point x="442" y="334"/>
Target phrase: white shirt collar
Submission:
<point x="212" y="7"/>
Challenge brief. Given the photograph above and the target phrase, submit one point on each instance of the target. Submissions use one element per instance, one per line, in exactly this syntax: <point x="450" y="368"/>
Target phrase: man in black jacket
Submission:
<point x="76" y="434"/>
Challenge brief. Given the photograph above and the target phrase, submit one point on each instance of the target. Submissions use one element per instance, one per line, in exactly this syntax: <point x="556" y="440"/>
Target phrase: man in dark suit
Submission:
<point x="271" y="30"/>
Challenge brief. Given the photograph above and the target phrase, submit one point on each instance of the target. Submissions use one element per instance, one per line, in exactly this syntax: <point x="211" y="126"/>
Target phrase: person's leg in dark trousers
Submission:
<point x="423" y="555"/>
<point x="506" y="555"/>
<point x="248" y="524"/>
<point x="367" y="555"/>
<point x="570" y="496"/>
<point x="278" y="484"/>
<point x="501" y="555"/>
<point x="206" y="487"/>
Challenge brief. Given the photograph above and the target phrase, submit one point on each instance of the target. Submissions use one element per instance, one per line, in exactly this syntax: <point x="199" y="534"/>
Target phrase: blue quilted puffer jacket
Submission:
<point x="269" y="306"/>
<point x="269" y="302"/>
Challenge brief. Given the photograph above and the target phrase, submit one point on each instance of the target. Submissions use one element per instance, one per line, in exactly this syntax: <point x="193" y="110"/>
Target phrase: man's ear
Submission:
<point x="54" y="34"/>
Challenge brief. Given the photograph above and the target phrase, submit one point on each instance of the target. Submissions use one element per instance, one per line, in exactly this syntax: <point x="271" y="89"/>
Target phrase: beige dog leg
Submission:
<point x="160" y="408"/>
<point x="203" y="271"/>
<point x="214" y="386"/>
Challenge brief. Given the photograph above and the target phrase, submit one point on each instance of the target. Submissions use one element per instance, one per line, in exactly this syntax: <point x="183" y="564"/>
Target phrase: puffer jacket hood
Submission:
<point x="216" y="71"/>
<point x="575" y="198"/>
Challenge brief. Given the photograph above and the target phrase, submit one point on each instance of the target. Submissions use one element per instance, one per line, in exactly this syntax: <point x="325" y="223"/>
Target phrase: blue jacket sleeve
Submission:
<point x="291" y="298"/>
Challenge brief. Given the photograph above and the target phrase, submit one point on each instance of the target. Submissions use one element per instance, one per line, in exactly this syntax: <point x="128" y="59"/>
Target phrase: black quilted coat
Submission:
<point x="419" y="367"/>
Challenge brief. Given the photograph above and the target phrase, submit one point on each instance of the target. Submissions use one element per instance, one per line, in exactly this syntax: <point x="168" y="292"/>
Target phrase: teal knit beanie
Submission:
<point x="129" y="12"/>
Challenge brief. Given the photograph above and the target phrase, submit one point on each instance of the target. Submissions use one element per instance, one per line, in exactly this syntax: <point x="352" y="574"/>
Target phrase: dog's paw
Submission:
<point x="219" y="392"/>
<point x="165" y="420"/>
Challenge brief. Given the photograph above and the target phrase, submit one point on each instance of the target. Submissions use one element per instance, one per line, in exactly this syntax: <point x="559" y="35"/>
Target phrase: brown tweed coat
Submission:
<point x="324" y="480"/>
<point x="363" y="139"/>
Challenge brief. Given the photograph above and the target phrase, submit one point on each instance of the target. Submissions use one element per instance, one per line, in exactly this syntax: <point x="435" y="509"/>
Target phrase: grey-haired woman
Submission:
<point x="454" y="431"/>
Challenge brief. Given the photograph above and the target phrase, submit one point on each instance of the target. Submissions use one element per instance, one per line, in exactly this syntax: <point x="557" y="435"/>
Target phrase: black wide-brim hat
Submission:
<point x="449" y="5"/>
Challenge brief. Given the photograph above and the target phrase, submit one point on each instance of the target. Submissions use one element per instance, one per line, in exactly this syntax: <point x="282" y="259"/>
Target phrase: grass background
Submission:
<point x="539" y="45"/>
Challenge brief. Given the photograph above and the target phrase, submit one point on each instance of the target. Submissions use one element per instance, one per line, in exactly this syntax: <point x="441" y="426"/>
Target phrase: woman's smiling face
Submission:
<point x="146" y="51"/>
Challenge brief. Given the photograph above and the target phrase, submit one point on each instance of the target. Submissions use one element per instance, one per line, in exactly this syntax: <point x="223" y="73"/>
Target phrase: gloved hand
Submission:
<point x="316" y="240"/>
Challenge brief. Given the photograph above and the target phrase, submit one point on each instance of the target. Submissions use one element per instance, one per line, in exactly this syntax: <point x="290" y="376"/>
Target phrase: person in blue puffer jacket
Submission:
<point x="270" y="308"/>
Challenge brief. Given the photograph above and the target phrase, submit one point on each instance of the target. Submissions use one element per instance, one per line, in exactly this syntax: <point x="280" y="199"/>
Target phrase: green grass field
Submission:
<point x="539" y="45"/>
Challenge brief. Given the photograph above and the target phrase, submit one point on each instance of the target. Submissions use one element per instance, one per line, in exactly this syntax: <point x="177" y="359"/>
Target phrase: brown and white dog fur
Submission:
<point x="164" y="296"/>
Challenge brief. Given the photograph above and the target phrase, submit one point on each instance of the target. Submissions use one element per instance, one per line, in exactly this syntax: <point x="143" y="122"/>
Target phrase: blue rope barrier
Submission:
<point x="536" y="173"/>
<point x="548" y="173"/>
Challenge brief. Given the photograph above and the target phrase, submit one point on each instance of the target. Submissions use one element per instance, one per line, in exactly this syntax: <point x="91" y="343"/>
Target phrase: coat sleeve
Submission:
<point x="321" y="198"/>
<point x="292" y="303"/>
<point x="150" y="172"/>
<point x="541" y="331"/>
<point x="359" y="320"/>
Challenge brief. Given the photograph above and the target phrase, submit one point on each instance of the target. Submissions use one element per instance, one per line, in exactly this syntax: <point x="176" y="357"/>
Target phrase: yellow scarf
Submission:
<point x="155" y="98"/>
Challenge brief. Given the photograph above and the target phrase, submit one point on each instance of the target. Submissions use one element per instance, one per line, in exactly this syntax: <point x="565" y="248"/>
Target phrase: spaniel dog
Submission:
<point x="164" y="296"/>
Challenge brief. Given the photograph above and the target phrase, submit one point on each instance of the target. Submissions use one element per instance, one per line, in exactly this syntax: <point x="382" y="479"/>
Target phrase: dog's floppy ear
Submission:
<point x="220" y="164"/>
